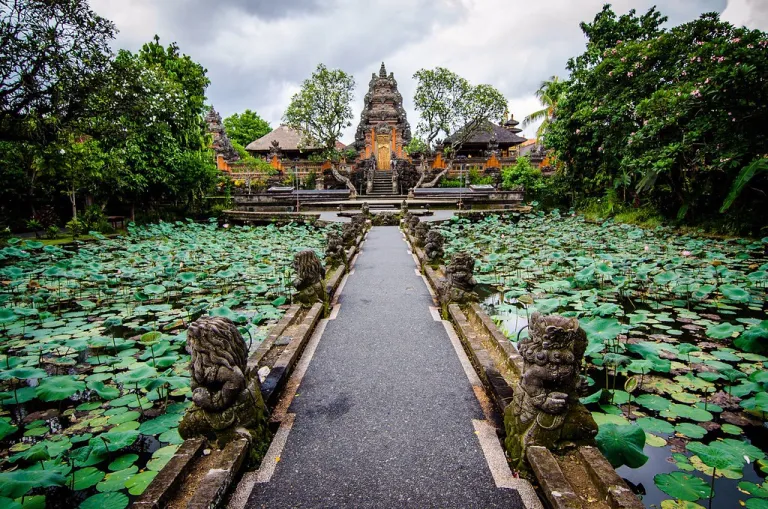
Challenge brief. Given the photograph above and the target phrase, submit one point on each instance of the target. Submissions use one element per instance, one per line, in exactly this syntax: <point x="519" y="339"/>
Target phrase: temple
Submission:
<point x="376" y="163"/>
<point x="383" y="130"/>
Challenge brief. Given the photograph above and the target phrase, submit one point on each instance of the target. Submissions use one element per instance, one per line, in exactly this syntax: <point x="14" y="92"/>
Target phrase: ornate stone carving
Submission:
<point x="459" y="284"/>
<point x="404" y="207"/>
<point x="420" y="233"/>
<point x="433" y="245"/>
<point x="365" y="209"/>
<point x="221" y="143"/>
<point x="309" y="282"/>
<point x="227" y="399"/>
<point x="545" y="410"/>
<point x="385" y="219"/>
<point x="412" y="222"/>
<point x="382" y="110"/>
<point x="335" y="254"/>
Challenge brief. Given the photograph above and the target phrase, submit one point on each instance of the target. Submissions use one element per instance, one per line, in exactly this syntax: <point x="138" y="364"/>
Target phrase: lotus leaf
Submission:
<point x="57" y="388"/>
<point x="111" y="500"/>
<point x="682" y="486"/>
<point x="19" y="482"/>
<point x="622" y="445"/>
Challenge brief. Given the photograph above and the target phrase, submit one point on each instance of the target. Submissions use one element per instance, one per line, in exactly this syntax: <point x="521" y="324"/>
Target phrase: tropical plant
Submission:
<point x="550" y="93"/>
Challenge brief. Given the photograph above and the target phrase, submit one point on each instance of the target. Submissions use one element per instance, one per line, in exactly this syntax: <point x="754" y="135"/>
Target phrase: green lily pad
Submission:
<point x="682" y="486"/>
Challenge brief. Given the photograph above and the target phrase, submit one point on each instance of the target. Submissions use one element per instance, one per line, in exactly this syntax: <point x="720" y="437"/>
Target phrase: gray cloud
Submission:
<point x="257" y="53"/>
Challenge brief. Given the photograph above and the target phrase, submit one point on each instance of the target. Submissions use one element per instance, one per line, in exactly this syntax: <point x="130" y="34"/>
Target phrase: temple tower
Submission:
<point x="383" y="130"/>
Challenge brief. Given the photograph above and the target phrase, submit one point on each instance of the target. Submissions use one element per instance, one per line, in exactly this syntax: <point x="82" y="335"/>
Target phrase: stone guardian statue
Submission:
<point x="545" y="410"/>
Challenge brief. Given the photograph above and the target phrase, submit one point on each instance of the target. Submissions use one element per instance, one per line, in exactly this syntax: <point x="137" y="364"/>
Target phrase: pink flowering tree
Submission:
<point x="667" y="117"/>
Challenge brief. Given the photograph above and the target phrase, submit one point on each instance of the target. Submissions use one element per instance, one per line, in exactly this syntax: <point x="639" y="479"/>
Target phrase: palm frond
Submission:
<point x="742" y="179"/>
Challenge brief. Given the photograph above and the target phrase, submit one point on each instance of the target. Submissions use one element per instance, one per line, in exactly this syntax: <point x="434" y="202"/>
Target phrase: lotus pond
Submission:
<point x="93" y="370"/>
<point x="678" y="343"/>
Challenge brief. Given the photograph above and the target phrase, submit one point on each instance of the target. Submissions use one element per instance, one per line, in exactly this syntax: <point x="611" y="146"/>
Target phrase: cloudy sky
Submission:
<point x="258" y="52"/>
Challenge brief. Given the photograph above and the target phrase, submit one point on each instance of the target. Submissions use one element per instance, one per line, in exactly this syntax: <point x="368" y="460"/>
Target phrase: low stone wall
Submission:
<point x="260" y="218"/>
<point x="584" y="479"/>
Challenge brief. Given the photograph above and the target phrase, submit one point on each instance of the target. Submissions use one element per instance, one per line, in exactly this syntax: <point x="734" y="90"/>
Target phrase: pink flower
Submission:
<point x="632" y="133"/>
<point x="720" y="60"/>
<point x="698" y="59"/>
<point x="729" y="113"/>
<point x="646" y="248"/>
<point x="750" y="46"/>
<point x="686" y="253"/>
<point x="630" y="74"/>
<point x="618" y="42"/>
<point x="706" y="81"/>
<point x="735" y="40"/>
<point x="578" y="131"/>
<point x="613" y="51"/>
<point x="600" y="148"/>
<point x="696" y="93"/>
<point x="610" y="73"/>
<point x="623" y="59"/>
<point x="684" y="73"/>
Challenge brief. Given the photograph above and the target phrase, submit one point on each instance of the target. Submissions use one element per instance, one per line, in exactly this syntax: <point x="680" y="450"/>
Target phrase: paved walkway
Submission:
<point x="384" y="414"/>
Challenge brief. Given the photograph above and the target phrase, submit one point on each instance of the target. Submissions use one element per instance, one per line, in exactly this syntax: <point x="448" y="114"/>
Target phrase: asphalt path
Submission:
<point x="384" y="413"/>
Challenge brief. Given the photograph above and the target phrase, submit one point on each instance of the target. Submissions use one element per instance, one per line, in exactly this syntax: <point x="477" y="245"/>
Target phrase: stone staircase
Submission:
<point x="382" y="184"/>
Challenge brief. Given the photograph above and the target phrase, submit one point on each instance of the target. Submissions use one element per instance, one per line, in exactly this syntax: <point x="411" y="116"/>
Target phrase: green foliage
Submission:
<point x="622" y="445"/>
<point x="321" y="110"/>
<point x="448" y="105"/>
<point x="523" y="174"/>
<point x="668" y="117"/>
<point x="416" y="146"/>
<point x="550" y="93"/>
<point x="54" y="55"/>
<point x="243" y="128"/>
<point x="75" y="227"/>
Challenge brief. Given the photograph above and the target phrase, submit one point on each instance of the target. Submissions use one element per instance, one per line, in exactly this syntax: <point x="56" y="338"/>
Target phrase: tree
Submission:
<point x="448" y="105"/>
<point x="322" y="108"/>
<point x="550" y="93"/>
<point x="668" y="117"/>
<point x="246" y="127"/>
<point x="54" y="54"/>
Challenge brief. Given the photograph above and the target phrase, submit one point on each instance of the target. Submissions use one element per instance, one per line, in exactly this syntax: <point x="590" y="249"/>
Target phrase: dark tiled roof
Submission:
<point x="483" y="135"/>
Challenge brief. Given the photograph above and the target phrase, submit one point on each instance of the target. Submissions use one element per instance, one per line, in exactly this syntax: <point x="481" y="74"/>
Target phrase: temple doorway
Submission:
<point x="383" y="153"/>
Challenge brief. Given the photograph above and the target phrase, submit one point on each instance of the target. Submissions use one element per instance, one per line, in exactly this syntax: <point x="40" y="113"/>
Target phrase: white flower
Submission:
<point x="62" y="151"/>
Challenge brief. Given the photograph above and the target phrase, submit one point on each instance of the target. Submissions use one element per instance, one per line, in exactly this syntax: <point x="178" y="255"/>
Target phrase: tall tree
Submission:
<point x="448" y="105"/>
<point x="668" y="118"/>
<point x="321" y="110"/>
<point x="549" y="94"/>
<point x="243" y="128"/>
<point x="54" y="54"/>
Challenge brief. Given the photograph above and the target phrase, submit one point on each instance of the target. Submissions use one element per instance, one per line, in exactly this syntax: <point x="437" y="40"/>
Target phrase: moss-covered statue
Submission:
<point x="335" y="254"/>
<point x="365" y="209"/>
<point x="459" y="283"/>
<point x="433" y="245"/>
<point x="412" y="222"/>
<point x="420" y="233"/>
<point x="545" y="410"/>
<point x="404" y="207"/>
<point x="226" y="397"/>
<point x="310" y="279"/>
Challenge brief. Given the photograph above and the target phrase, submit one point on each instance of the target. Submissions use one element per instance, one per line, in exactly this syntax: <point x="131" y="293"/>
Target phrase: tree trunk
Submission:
<point x="72" y="199"/>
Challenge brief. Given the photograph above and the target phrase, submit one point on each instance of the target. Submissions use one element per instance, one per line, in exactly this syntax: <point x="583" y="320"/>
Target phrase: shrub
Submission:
<point x="75" y="228"/>
<point x="523" y="174"/>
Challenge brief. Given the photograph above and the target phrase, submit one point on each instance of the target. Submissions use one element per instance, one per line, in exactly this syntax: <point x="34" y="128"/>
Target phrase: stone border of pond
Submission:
<point x="198" y="477"/>
<point x="567" y="481"/>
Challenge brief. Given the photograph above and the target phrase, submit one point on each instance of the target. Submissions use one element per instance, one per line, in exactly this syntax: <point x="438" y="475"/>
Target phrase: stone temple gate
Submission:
<point x="383" y="130"/>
